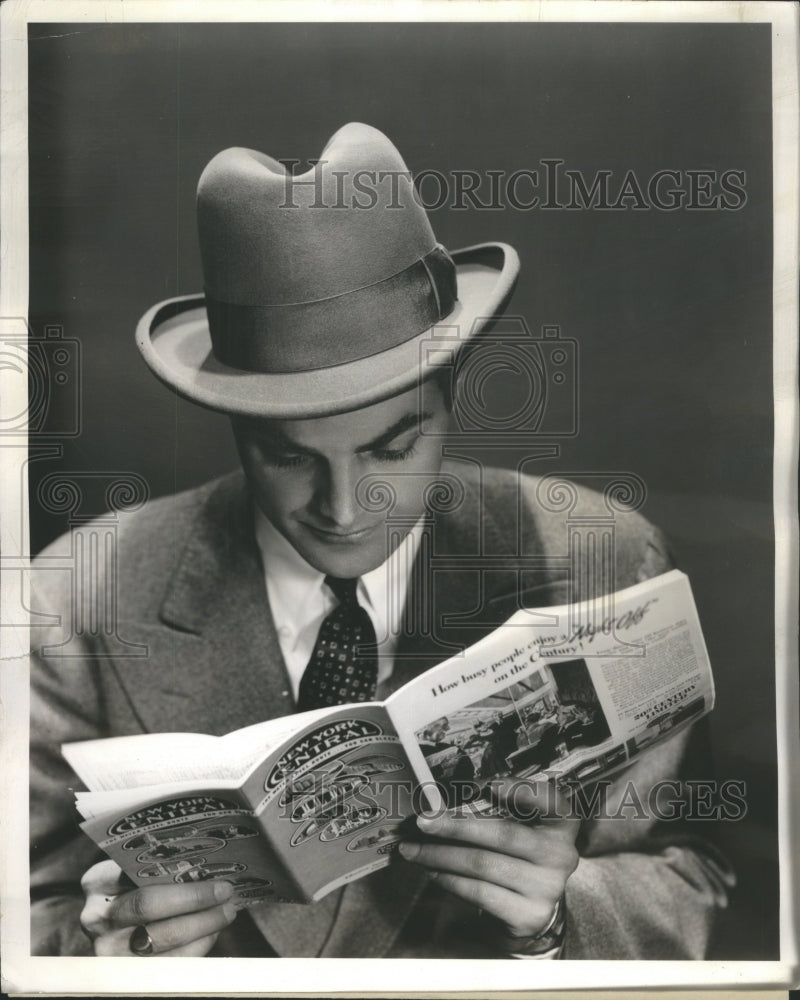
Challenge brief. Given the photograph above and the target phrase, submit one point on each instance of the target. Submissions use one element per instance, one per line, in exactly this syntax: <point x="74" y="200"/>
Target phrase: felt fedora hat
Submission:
<point x="323" y="292"/>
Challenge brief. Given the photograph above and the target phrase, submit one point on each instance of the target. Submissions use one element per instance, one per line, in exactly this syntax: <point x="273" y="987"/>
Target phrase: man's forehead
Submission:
<point x="358" y="427"/>
<point x="328" y="428"/>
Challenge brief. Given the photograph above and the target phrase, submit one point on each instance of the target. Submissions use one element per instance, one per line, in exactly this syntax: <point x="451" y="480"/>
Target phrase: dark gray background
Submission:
<point x="671" y="311"/>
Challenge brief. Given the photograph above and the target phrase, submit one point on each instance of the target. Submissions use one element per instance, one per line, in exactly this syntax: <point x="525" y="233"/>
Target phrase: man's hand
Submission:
<point x="179" y="920"/>
<point x="513" y="870"/>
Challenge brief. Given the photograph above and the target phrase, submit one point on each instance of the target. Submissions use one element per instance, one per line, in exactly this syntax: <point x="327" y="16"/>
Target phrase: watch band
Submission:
<point x="549" y="942"/>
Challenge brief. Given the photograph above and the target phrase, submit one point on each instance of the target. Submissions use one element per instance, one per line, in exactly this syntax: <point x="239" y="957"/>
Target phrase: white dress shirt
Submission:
<point x="300" y="600"/>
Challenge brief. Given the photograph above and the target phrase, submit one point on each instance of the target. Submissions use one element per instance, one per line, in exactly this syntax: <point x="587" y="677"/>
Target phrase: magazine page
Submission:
<point x="331" y="801"/>
<point x="650" y="671"/>
<point x="194" y="838"/>
<point x="146" y="759"/>
<point x="576" y="697"/>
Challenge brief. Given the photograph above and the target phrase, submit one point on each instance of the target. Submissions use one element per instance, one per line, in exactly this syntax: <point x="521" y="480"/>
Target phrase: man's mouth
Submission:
<point x="339" y="537"/>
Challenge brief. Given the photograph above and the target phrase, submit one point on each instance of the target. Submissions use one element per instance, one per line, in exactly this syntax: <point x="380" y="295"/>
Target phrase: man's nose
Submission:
<point x="336" y="495"/>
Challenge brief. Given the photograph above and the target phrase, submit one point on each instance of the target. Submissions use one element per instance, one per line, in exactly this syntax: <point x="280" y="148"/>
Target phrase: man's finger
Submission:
<point x="486" y="866"/>
<point x="192" y="934"/>
<point x="159" y="902"/>
<point x="114" y="943"/>
<point x="106" y="878"/>
<point x="541" y="845"/>
<point x="195" y="949"/>
<point x="101" y="884"/>
<point x="521" y="916"/>
<point x="540" y="801"/>
<point x="163" y="936"/>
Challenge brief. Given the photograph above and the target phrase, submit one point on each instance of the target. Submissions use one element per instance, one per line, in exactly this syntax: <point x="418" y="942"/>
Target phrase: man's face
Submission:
<point x="304" y="475"/>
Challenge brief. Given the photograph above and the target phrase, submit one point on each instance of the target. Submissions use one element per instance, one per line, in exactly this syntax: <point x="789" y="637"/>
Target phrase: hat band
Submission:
<point x="304" y="336"/>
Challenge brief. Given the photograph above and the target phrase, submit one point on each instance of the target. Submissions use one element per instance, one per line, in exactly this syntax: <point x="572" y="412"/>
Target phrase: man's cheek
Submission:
<point x="281" y="499"/>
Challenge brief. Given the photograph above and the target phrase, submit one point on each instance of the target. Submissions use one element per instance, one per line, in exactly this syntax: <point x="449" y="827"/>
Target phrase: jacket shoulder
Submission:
<point x="549" y="512"/>
<point x="140" y="549"/>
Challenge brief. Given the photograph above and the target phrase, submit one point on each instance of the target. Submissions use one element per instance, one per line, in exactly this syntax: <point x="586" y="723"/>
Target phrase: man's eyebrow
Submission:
<point x="397" y="428"/>
<point x="275" y="438"/>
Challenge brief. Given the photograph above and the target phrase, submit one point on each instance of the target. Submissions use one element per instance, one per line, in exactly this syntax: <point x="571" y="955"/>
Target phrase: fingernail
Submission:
<point x="229" y="909"/>
<point x="222" y="891"/>
<point x="408" y="849"/>
<point x="425" y="822"/>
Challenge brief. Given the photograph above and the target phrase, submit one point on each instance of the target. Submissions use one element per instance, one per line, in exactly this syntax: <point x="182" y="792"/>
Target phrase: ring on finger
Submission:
<point x="140" y="941"/>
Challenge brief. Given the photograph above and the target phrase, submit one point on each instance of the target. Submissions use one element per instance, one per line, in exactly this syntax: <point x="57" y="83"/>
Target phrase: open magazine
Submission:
<point x="292" y="808"/>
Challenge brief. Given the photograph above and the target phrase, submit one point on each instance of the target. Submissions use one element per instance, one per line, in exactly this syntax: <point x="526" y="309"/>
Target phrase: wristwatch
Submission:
<point x="548" y="943"/>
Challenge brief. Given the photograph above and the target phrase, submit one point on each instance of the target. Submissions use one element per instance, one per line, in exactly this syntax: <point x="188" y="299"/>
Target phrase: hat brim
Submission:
<point x="174" y="339"/>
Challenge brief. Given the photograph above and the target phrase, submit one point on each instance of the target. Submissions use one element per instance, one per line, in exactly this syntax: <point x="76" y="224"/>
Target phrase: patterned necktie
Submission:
<point x="343" y="666"/>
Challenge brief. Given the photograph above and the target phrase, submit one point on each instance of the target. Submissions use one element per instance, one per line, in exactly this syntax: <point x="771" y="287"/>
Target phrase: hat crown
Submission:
<point x="268" y="238"/>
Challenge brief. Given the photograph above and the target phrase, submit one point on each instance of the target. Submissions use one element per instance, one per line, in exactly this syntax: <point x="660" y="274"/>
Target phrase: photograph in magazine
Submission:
<point x="522" y="730"/>
<point x="400" y="477"/>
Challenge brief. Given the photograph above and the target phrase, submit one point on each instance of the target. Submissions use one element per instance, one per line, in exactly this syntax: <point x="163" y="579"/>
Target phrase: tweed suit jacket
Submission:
<point x="194" y="649"/>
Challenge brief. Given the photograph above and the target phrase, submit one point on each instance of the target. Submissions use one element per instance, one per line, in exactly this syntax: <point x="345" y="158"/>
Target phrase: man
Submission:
<point x="321" y="303"/>
<point x="503" y="741"/>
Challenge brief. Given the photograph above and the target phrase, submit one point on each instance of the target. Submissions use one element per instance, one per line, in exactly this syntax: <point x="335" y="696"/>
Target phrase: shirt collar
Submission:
<point x="383" y="590"/>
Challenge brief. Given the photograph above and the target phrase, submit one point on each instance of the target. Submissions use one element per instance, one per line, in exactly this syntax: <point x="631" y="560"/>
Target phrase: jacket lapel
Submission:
<point x="473" y="571"/>
<point x="218" y="637"/>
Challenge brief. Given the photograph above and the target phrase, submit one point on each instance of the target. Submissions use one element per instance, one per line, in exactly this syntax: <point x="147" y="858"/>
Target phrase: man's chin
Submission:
<point x="344" y="559"/>
<point x="344" y="567"/>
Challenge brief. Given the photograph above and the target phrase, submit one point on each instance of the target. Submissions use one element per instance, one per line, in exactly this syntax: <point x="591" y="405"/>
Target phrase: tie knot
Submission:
<point x="343" y="588"/>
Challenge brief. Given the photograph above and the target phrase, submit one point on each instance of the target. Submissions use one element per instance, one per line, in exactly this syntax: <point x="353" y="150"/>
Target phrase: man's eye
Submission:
<point x="282" y="459"/>
<point x="395" y="454"/>
<point x="287" y="460"/>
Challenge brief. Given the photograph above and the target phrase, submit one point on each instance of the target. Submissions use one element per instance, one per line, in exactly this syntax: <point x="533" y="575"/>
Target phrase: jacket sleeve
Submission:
<point x="647" y="888"/>
<point x="66" y="705"/>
